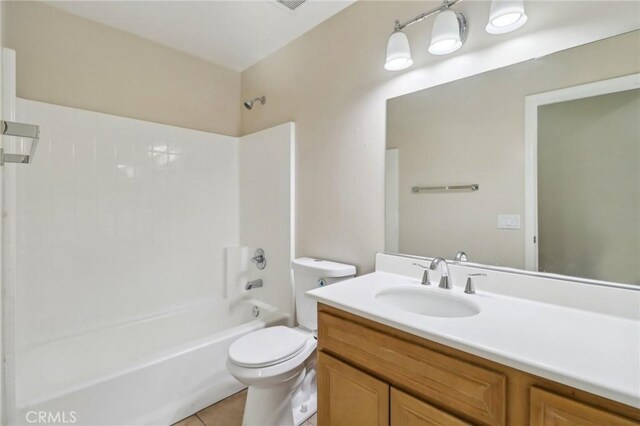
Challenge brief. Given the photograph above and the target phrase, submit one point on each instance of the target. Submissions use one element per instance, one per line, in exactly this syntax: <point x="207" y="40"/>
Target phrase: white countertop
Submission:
<point x="595" y="352"/>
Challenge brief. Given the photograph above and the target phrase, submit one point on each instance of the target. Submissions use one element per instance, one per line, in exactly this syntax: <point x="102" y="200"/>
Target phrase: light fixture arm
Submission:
<point x="445" y="5"/>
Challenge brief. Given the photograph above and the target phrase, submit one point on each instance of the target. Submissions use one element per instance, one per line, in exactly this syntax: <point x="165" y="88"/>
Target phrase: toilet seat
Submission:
<point x="278" y="373"/>
<point x="267" y="347"/>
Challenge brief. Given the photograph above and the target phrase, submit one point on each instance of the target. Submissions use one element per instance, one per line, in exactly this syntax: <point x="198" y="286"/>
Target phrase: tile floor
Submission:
<point x="227" y="412"/>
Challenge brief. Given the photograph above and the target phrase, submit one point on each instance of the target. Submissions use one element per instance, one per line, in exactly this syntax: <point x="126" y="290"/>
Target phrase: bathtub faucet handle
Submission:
<point x="259" y="259"/>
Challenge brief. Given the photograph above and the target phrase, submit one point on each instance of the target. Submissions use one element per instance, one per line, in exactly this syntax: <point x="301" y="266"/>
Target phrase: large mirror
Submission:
<point x="532" y="166"/>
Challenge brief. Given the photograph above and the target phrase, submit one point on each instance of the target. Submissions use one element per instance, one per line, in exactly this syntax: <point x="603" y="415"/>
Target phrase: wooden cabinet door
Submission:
<point x="409" y="411"/>
<point x="549" y="409"/>
<point x="348" y="396"/>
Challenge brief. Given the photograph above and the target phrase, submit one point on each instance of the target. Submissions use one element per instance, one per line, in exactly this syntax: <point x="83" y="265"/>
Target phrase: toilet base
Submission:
<point x="274" y="408"/>
<point x="300" y="416"/>
<point x="268" y="406"/>
<point x="305" y="397"/>
<point x="287" y="404"/>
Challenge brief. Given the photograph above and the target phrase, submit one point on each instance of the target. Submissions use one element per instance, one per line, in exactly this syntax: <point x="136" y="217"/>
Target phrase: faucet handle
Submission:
<point x="469" y="288"/>
<point x="425" y="277"/>
<point x="425" y="274"/>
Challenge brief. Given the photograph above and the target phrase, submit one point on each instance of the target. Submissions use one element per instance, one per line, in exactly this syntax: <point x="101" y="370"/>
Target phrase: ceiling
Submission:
<point x="235" y="33"/>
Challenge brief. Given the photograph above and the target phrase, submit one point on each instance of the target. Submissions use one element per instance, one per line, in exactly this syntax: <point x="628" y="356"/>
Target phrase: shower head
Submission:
<point x="249" y="104"/>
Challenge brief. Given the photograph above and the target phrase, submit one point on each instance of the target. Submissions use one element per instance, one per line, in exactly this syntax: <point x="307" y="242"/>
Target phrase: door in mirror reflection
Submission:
<point x="588" y="187"/>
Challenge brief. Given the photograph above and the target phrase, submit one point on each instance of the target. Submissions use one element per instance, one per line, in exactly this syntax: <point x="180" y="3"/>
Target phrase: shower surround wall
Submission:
<point x="266" y="209"/>
<point x="119" y="219"/>
<point x="121" y="233"/>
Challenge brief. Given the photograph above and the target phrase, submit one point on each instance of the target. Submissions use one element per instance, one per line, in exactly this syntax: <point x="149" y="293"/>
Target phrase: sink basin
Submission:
<point x="429" y="302"/>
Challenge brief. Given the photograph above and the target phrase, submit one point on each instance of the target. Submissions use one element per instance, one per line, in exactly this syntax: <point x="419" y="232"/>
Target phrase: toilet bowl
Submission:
<point x="278" y="363"/>
<point x="274" y="376"/>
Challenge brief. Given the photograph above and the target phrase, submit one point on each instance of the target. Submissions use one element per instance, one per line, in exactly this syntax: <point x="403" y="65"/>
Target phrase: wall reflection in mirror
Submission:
<point x="553" y="145"/>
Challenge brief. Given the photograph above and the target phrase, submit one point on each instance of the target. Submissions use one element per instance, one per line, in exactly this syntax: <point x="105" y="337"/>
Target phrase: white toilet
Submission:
<point x="278" y="363"/>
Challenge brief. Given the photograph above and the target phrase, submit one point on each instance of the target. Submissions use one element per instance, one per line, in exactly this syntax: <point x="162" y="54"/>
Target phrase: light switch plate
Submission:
<point x="508" y="221"/>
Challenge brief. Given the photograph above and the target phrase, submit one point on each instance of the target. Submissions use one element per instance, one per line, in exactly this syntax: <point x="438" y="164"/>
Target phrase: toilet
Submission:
<point x="278" y="363"/>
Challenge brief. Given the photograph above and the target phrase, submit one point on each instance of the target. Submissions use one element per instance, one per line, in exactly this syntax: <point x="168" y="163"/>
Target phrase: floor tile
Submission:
<point x="227" y="412"/>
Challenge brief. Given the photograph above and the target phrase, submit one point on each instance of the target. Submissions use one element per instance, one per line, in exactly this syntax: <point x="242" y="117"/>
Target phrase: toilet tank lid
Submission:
<point x="322" y="268"/>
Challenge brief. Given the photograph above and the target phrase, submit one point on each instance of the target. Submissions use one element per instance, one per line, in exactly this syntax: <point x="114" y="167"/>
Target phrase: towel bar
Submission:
<point x="21" y="130"/>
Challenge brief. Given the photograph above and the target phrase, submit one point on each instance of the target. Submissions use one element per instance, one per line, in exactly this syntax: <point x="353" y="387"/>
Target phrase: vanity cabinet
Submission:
<point x="373" y="374"/>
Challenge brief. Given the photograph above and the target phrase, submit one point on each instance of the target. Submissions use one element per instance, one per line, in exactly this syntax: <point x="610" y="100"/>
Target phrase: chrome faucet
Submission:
<point x="461" y="256"/>
<point x="253" y="284"/>
<point x="445" y="281"/>
<point x="259" y="259"/>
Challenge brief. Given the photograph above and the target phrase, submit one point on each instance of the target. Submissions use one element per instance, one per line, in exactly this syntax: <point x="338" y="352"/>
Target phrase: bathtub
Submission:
<point x="152" y="371"/>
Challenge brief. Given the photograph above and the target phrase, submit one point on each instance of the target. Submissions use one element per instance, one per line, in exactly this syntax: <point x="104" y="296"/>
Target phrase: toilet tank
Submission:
<point x="309" y="274"/>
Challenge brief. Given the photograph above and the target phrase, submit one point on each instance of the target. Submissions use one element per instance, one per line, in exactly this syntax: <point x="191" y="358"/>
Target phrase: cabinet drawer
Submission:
<point x="464" y="389"/>
<point x="409" y="411"/>
<point x="550" y="409"/>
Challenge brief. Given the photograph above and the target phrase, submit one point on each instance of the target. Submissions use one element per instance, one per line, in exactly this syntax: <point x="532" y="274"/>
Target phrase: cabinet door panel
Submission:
<point x="409" y="411"/>
<point x="348" y="397"/>
<point x="549" y="409"/>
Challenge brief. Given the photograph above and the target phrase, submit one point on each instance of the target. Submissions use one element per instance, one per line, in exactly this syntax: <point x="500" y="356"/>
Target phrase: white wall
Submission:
<point x="266" y="209"/>
<point x="117" y="219"/>
<point x="392" y="201"/>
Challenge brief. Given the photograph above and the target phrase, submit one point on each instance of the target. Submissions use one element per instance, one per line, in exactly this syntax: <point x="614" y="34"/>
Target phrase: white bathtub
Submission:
<point x="153" y="371"/>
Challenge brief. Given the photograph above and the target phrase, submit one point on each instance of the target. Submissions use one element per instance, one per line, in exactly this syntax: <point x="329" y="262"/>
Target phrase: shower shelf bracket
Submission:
<point x="20" y="130"/>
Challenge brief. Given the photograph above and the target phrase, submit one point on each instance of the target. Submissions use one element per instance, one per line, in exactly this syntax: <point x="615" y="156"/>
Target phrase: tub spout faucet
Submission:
<point x="445" y="281"/>
<point x="253" y="284"/>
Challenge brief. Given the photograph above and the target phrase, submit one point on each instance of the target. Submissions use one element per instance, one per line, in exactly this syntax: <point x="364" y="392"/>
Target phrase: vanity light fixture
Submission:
<point x="398" y="51"/>
<point x="506" y="16"/>
<point x="450" y="30"/>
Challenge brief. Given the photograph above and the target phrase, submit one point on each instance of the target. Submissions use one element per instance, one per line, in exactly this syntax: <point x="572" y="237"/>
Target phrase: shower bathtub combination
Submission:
<point x="126" y="249"/>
